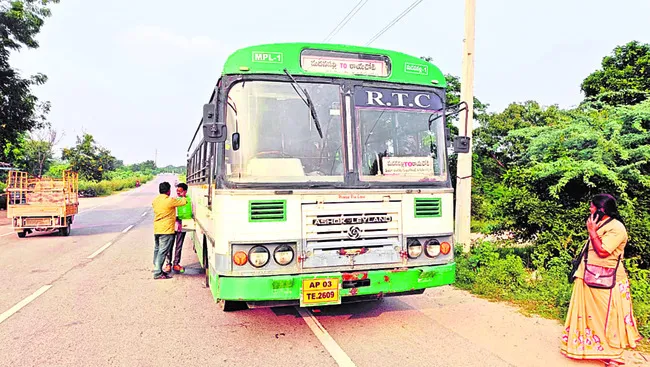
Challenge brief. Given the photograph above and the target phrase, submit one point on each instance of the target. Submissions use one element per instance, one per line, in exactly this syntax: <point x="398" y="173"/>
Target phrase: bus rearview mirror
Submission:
<point x="213" y="131"/>
<point x="235" y="141"/>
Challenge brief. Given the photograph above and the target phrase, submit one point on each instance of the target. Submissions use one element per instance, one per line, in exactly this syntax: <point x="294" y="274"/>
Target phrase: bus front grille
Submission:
<point x="339" y="234"/>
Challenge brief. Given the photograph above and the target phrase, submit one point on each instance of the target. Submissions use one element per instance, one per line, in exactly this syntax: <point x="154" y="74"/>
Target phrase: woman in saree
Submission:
<point x="600" y="323"/>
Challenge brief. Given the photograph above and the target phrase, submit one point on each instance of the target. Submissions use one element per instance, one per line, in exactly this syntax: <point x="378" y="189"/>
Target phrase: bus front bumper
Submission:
<point x="361" y="285"/>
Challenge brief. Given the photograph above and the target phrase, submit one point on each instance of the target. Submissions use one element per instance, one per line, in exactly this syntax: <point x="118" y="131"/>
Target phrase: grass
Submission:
<point x="644" y="346"/>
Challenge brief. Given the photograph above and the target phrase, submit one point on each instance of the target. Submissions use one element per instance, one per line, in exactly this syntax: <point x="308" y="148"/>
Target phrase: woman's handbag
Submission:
<point x="599" y="276"/>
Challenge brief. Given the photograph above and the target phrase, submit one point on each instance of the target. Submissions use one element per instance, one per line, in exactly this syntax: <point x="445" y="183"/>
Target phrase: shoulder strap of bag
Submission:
<point x="589" y="240"/>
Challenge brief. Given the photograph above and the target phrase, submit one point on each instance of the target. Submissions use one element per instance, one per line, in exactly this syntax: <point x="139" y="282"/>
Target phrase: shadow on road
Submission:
<point x="363" y="310"/>
<point x="194" y="270"/>
<point x="357" y="310"/>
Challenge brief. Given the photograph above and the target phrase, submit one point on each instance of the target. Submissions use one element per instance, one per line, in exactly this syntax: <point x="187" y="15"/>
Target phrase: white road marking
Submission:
<point x="5" y="315"/>
<point x="324" y="337"/>
<point x="100" y="250"/>
<point x="6" y="234"/>
<point x="127" y="228"/>
<point x="143" y="214"/>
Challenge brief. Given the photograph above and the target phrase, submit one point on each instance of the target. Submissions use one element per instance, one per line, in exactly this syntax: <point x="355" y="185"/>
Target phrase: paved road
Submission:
<point x="108" y="311"/>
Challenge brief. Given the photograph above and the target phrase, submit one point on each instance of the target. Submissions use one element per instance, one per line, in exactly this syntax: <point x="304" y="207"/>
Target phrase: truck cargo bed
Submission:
<point x="42" y="202"/>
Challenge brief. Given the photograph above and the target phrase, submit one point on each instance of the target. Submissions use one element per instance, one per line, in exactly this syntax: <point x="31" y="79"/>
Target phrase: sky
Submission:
<point x="136" y="73"/>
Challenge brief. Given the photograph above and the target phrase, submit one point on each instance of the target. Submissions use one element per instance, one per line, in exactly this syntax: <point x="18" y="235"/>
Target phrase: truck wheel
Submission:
<point x="22" y="234"/>
<point x="65" y="231"/>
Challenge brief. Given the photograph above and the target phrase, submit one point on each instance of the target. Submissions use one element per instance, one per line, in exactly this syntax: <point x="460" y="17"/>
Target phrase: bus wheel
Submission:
<point x="22" y="234"/>
<point x="206" y="266"/>
<point x="231" y="306"/>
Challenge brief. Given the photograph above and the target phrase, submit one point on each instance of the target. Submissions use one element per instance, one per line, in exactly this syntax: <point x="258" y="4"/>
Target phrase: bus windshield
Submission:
<point x="279" y="140"/>
<point x="401" y="138"/>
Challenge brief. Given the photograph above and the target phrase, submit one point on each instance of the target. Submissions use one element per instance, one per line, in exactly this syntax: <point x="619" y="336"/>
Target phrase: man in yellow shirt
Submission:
<point x="164" y="211"/>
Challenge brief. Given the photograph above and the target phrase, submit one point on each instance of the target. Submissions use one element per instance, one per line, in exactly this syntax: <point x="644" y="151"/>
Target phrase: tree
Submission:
<point x="624" y="78"/>
<point x="37" y="152"/>
<point x="172" y="169"/>
<point x="89" y="159"/>
<point x="561" y="167"/>
<point x="20" y="110"/>
<point x="492" y="139"/>
<point x="149" y="165"/>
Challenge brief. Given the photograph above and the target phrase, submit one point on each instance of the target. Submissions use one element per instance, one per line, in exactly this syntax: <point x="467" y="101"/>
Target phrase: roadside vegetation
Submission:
<point x="100" y="173"/>
<point x="535" y="169"/>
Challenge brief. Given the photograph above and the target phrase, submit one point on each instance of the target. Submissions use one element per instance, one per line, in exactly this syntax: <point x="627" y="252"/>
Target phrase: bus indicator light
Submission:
<point x="445" y="248"/>
<point x="240" y="258"/>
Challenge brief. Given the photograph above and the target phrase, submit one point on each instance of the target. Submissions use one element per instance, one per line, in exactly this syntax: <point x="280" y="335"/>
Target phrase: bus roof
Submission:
<point x="330" y="60"/>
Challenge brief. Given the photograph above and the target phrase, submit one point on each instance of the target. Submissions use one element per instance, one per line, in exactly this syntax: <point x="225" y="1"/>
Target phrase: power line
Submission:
<point x="394" y="21"/>
<point x="345" y="20"/>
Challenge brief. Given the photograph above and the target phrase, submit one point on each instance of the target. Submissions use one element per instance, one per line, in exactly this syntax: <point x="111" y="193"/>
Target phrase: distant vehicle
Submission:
<point x="319" y="175"/>
<point x="137" y="183"/>
<point x="42" y="204"/>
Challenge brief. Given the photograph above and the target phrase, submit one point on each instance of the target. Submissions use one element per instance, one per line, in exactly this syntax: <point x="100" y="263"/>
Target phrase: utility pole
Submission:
<point x="155" y="159"/>
<point x="464" y="175"/>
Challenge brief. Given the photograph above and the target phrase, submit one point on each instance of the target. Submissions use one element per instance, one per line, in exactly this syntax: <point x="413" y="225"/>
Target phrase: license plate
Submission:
<point x="320" y="292"/>
<point x="35" y="222"/>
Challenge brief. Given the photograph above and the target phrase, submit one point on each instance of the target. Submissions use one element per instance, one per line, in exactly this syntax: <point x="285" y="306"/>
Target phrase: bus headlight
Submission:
<point x="258" y="256"/>
<point x="414" y="248"/>
<point x="283" y="255"/>
<point x="432" y="248"/>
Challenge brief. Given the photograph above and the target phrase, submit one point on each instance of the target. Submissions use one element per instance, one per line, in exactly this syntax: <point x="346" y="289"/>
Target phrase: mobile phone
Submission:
<point x="598" y="216"/>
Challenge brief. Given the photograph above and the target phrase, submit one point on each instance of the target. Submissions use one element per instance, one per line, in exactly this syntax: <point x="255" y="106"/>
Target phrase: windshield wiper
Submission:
<point x="307" y="100"/>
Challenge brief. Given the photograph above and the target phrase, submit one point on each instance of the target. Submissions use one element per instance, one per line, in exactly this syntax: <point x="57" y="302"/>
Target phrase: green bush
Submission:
<point x="491" y="274"/>
<point x="548" y="292"/>
<point x="640" y="289"/>
<point x="108" y="187"/>
<point x="56" y="170"/>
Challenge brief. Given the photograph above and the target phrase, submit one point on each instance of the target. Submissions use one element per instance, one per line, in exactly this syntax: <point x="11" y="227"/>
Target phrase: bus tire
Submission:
<point x="207" y="277"/>
<point x="206" y="265"/>
<point x="232" y="306"/>
<point x="22" y="234"/>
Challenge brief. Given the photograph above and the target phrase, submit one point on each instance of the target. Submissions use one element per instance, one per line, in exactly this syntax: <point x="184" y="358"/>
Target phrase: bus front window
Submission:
<point x="398" y="143"/>
<point x="279" y="140"/>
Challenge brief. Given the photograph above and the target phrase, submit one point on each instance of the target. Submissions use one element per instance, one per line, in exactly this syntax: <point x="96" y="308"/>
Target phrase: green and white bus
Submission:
<point x="318" y="175"/>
